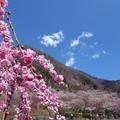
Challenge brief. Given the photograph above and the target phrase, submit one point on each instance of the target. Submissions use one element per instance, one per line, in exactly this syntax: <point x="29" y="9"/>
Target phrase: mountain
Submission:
<point x="78" y="80"/>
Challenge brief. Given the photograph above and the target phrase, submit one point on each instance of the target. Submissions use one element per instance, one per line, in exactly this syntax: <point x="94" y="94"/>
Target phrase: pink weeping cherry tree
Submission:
<point x="18" y="76"/>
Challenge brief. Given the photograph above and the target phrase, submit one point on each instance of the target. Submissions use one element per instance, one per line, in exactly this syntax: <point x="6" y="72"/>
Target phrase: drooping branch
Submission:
<point x="7" y="13"/>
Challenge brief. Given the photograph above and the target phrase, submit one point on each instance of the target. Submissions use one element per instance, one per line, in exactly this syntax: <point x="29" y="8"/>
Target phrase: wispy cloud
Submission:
<point x="87" y="34"/>
<point x="93" y="45"/>
<point x="104" y="52"/>
<point x="75" y="43"/>
<point x="52" y="40"/>
<point x="70" y="53"/>
<point x="70" y="62"/>
<point x="99" y="54"/>
<point x="71" y="58"/>
<point x="96" y="56"/>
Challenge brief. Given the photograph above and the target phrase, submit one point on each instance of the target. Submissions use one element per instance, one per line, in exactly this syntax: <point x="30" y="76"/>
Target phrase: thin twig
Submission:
<point x="3" y="117"/>
<point x="4" y="113"/>
<point x="13" y="30"/>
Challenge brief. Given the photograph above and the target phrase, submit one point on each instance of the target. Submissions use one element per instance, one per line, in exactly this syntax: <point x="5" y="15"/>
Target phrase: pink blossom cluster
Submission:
<point x="24" y="106"/>
<point x="18" y="76"/>
<point x="48" y="66"/>
<point x="60" y="117"/>
<point x="3" y="4"/>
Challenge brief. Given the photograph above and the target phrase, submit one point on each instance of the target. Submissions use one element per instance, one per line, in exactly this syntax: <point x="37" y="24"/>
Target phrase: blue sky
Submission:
<point x="84" y="34"/>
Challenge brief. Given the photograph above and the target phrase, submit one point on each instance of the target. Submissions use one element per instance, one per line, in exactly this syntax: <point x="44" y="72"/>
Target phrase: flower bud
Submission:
<point x="29" y="77"/>
<point x="39" y="76"/>
<point x="27" y="59"/>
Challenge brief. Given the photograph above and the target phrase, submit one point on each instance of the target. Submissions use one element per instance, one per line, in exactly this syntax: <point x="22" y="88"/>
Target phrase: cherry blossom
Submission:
<point x="18" y="75"/>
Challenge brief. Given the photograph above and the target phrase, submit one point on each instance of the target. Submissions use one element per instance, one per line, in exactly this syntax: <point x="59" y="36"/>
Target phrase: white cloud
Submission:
<point x="52" y="40"/>
<point x="70" y="62"/>
<point x="87" y="34"/>
<point x="104" y="52"/>
<point x="96" y="56"/>
<point x="75" y="43"/>
<point x="70" y="53"/>
<point x="93" y="45"/>
<point x="99" y="55"/>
